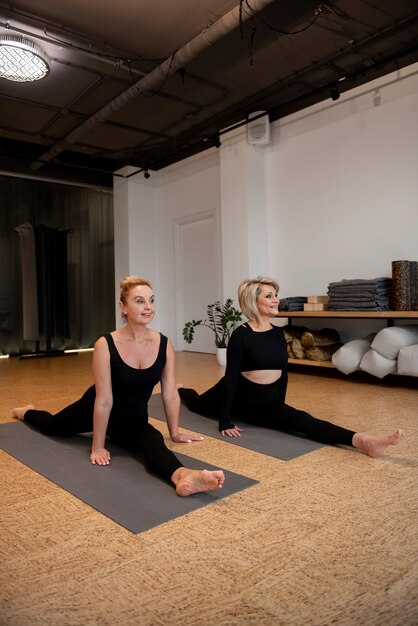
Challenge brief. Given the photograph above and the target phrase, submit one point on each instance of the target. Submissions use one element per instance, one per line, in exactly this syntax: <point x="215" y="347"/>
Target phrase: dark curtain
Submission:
<point x="52" y="287"/>
<point x="73" y="229"/>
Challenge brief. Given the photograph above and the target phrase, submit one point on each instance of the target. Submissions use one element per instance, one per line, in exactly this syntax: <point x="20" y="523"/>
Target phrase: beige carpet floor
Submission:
<point x="329" y="538"/>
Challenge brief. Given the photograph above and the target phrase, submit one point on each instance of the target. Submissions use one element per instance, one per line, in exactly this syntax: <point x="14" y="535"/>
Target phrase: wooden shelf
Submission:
<point x="383" y="315"/>
<point x="352" y="314"/>
<point x="314" y="363"/>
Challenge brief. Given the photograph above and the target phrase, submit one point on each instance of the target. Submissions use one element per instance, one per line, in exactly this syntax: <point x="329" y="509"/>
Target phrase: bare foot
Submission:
<point x="19" y="412"/>
<point x="188" y="481"/>
<point x="375" y="445"/>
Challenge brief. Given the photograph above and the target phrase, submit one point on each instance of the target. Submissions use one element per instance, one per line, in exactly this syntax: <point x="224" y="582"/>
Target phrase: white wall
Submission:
<point x="148" y="210"/>
<point x="135" y="232"/>
<point x="342" y="186"/>
<point x="334" y="195"/>
<point x="186" y="189"/>
<point x="243" y="211"/>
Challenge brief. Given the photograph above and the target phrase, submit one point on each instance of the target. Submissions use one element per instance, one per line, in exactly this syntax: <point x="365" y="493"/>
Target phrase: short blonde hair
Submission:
<point x="249" y="290"/>
<point x="128" y="283"/>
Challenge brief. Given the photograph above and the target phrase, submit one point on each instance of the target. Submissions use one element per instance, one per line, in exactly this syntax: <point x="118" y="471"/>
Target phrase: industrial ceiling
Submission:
<point x="147" y="83"/>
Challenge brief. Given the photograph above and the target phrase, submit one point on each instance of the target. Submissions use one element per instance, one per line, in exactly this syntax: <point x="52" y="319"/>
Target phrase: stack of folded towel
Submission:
<point x="360" y="294"/>
<point x="292" y="304"/>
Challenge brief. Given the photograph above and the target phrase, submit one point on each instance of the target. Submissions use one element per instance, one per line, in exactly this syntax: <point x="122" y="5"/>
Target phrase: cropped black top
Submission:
<point x="247" y="351"/>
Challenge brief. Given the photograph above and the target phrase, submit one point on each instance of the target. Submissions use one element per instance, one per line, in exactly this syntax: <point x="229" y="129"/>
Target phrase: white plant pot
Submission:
<point x="221" y="356"/>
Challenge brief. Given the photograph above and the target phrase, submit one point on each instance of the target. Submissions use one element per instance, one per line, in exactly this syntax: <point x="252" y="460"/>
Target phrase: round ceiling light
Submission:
<point x="21" y="60"/>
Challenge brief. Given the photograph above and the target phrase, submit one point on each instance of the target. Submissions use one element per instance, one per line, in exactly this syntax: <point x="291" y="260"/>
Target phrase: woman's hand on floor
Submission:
<point x="100" y="456"/>
<point x="232" y="432"/>
<point x="186" y="438"/>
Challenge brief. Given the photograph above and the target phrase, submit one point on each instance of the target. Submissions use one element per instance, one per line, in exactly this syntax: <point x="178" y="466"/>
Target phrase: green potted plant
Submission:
<point x="221" y="319"/>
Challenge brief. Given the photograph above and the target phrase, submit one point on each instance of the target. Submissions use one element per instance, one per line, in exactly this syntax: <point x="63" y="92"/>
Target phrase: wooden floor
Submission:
<point x="329" y="538"/>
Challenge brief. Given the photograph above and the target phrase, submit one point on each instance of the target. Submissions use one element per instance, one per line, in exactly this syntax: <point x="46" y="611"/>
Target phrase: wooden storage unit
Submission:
<point x="390" y="316"/>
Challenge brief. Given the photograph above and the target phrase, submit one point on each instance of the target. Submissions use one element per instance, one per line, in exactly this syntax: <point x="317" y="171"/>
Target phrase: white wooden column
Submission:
<point x="243" y="211"/>
<point x="135" y="230"/>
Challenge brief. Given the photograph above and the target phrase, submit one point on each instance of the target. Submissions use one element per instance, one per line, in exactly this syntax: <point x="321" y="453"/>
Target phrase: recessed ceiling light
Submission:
<point x="21" y="60"/>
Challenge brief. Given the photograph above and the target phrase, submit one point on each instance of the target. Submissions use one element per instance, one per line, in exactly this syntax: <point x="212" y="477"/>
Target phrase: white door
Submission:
<point x="197" y="277"/>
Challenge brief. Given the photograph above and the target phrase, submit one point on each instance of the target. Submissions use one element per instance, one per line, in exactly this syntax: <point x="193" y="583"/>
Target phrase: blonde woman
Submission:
<point x="127" y="364"/>
<point x="254" y="386"/>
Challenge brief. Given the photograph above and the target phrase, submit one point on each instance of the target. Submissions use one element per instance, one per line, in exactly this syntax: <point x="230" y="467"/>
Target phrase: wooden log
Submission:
<point x="290" y="352"/>
<point x="322" y="353"/>
<point x="293" y="332"/>
<point x="319" y="337"/>
<point x="297" y="349"/>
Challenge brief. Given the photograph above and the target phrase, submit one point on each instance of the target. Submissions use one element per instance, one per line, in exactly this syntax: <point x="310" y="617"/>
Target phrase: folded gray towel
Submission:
<point x="294" y="303"/>
<point x="352" y="306"/>
<point x="374" y="282"/>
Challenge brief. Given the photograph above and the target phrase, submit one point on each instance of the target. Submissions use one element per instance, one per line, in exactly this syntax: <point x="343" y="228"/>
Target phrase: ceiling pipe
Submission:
<point x="155" y="79"/>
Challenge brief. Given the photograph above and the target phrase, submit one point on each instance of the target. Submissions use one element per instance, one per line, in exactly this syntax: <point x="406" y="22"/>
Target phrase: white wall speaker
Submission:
<point x="258" y="130"/>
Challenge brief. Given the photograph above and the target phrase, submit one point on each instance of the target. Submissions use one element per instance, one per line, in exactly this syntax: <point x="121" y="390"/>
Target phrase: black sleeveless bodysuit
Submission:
<point x="128" y="421"/>
<point x="132" y="387"/>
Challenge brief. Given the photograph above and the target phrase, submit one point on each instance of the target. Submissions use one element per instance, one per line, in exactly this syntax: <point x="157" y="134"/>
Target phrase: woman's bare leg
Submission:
<point x="188" y="481"/>
<point x="375" y="445"/>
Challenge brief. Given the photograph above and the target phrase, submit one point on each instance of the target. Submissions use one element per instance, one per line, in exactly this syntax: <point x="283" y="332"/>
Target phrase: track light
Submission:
<point x="147" y="174"/>
<point x="217" y="141"/>
<point x="21" y="60"/>
<point x="335" y="92"/>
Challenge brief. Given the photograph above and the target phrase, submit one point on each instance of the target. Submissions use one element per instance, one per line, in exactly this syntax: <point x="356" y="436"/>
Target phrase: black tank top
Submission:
<point x="132" y="387"/>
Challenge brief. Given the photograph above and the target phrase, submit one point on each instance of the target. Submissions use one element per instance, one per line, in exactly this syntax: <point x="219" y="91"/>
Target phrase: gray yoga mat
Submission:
<point x="125" y="491"/>
<point x="280" y="445"/>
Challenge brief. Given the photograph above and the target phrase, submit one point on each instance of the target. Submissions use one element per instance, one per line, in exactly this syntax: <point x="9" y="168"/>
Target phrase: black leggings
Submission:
<point x="261" y="405"/>
<point x="78" y="418"/>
